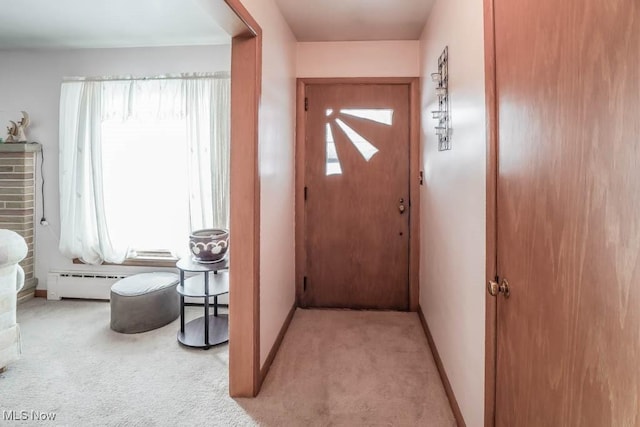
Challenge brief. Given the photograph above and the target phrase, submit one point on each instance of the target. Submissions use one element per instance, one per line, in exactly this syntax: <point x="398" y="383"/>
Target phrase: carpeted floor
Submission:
<point x="353" y="368"/>
<point x="334" y="368"/>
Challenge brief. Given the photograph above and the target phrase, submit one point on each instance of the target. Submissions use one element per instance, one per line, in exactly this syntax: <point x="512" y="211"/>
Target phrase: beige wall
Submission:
<point x="452" y="270"/>
<point x="358" y="59"/>
<point x="277" y="120"/>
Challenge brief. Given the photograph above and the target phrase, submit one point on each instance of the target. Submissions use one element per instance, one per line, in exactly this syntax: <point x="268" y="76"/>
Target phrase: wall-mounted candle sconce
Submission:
<point x="441" y="78"/>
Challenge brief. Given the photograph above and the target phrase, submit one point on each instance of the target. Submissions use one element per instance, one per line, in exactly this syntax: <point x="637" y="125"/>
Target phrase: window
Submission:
<point x="366" y="148"/>
<point x="145" y="181"/>
<point x="143" y="163"/>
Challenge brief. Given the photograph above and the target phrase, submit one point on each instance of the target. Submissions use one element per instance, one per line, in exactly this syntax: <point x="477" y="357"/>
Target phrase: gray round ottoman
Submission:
<point x="143" y="302"/>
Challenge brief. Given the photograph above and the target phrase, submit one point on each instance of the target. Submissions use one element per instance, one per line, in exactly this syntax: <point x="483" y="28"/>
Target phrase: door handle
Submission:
<point x="402" y="207"/>
<point x="503" y="288"/>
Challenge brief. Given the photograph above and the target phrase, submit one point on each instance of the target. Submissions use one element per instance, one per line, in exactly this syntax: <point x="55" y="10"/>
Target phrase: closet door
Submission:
<point x="568" y="208"/>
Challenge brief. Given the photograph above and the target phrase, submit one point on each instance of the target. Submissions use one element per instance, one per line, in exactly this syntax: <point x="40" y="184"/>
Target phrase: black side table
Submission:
<point x="209" y="330"/>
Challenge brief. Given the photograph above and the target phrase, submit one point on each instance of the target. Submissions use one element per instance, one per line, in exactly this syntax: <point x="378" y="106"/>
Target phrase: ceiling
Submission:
<point x="136" y="23"/>
<point x="349" y="20"/>
<point x="108" y="23"/>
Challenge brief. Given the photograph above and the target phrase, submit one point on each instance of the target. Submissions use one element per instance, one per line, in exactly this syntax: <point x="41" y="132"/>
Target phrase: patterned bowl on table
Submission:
<point x="209" y="245"/>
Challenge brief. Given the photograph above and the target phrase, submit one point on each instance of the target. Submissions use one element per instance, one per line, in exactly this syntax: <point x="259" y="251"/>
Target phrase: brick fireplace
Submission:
<point x="17" y="201"/>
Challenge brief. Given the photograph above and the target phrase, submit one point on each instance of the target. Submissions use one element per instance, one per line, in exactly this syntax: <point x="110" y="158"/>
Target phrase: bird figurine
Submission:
<point x="21" y="127"/>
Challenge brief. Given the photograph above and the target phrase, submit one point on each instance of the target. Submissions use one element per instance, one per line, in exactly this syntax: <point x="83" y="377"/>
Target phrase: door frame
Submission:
<point x="244" y="253"/>
<point x="414" y="173"/>
<point x="491" y="268"/>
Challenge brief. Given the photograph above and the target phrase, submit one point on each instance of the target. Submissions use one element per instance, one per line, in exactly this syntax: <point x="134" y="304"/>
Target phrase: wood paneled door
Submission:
<point x="357" y="206"/>
<point x="568" y="209"/>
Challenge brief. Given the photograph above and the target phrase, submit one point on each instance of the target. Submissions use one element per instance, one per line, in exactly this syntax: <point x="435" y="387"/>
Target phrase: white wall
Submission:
<point x="30" y="80"/>
<point x="277" y="127"/>
<point x="359" y="59"/>
<point x="453" y="199"/>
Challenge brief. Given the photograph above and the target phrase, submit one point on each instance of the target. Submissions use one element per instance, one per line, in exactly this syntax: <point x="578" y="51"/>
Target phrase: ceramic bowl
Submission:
<point x="209" y="244"/>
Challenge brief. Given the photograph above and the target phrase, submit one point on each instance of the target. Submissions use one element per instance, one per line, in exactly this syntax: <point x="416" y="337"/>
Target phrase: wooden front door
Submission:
<point x="357" y="196"/>
<point x="568" y="207"/>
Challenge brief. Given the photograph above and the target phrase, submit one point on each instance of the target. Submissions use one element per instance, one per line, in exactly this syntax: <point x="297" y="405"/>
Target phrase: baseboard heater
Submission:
<point x="83" y="285"/>
<point x="87" y="285"/>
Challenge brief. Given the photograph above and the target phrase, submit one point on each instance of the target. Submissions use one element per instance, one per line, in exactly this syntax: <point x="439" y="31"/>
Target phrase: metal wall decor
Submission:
<point x="441" y="78"/>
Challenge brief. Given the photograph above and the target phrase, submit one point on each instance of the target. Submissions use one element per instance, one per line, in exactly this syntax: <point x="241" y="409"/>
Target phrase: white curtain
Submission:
<point x="202" y="100"/>
<point x="84" y="232"/>
<point x="208" y="142"/>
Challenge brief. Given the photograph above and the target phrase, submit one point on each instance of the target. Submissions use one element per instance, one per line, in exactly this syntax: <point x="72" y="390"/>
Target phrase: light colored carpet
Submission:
<point x="74" y="365"/>
<point x="334" y="368"/>
<point x="353" y="368"/>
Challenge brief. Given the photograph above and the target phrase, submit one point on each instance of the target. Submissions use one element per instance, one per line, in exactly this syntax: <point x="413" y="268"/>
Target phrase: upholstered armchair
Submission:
<point x="13" y="249"/>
